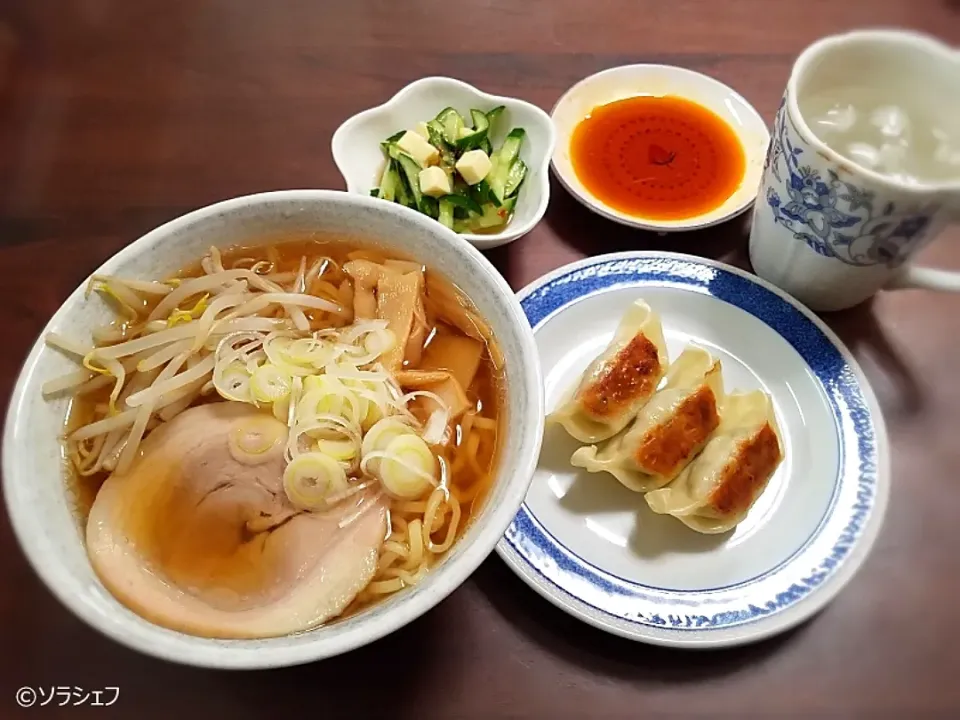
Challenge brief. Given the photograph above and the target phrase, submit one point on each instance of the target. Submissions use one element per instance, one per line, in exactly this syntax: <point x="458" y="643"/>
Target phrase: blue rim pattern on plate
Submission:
<point x="824" y="551"/>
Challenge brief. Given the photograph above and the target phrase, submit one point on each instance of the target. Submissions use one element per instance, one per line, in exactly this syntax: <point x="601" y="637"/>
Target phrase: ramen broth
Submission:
<point x="467" y="461"/>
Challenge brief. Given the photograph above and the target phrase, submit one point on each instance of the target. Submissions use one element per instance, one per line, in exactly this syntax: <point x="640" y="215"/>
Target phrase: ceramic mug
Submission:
<point x="832" y="232"/>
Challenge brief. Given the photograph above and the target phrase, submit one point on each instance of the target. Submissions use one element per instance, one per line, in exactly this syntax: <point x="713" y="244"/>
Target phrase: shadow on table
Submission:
<point x="600" y="652"/>
<point x="591" y="234"/>
<point x="502" y="259"/>
<point x="54" y="644"/>
<point x="861" y="331"/>
<point x="355" y="684"/>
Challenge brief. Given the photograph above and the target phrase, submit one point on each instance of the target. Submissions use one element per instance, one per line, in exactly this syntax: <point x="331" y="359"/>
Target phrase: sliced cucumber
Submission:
<point x="511" y="146"/>
<point x="402" y="189"/>
<point x="430" y="206"/>
<point x="447" y="157"/>
<point x="480" y="193"/>
<point x="446" y="212"/>
<point x="518" y="171"/>
<point x="463" y="190"/>
<point x="492" y="217"/>
<point x="435" y="131"/>
<point x="460" y="186"/>
<point x="411" y="172"/>
<point x="507" y="153"/>
<point x="393" y="139"/>
<point x="479" y="118"/>
<point x="483" y="207"/>
<point x="403" y="193"/>
<point x="452" y="123"/>
<point x="486" y="182"/>
<point x="464" y="202"/>
<point x="388" y="182"/>
<point x="480" y="127"/>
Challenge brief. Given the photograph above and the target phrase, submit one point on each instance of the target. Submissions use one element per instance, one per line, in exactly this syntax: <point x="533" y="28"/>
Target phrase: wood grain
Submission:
<point x="116" y="116"/>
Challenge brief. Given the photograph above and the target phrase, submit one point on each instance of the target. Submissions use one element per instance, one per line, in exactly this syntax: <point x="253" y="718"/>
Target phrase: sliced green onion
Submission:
<point x="338" y="400"/>
<point x="379" y="341"/>
<point x="382" y="434"/>
<point x="319" y="382"/>
<point x="377" y="439"/>
<point x="311" y="478"/>
<point x="408" y="469"/>
<point x="269" y="384"/>
<point x="251" y="440"/>
<point x="233" y="382"/>
<point x="344" y="451"/>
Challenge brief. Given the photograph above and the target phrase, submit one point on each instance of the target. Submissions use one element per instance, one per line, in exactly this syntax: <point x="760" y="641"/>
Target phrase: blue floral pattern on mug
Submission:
<point x="835" y="217"/>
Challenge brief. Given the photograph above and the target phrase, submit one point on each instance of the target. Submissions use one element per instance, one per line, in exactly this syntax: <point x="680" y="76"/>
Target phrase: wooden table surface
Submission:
<point x="116" y="116"/>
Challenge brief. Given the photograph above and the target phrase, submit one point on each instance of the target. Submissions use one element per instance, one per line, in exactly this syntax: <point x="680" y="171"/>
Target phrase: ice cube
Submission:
<point x="891" y="157"/>
<point x="904" y="178"/>
<point x="947" y="151"/>
<point x="838" y="119"/>
<point x="891" y="121"/>
<point x="864" y="154"/>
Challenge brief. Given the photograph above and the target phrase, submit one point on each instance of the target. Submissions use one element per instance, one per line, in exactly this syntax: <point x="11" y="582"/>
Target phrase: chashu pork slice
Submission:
<point x="199" y="535"/>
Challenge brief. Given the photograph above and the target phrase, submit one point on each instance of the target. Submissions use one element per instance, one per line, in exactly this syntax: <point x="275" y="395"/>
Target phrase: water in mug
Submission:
<point x="910" y="143"/>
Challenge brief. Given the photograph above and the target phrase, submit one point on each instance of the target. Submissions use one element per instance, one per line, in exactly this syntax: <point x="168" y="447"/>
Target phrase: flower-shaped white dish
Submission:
<point x="357" y="153"/>
<point x="632" y="80"/>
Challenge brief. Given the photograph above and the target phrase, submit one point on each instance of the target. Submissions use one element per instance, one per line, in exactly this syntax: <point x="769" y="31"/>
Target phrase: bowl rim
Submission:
<point x="138" y="633"/>
<point x="483" y="242"/>
<point x="595" y="205"/>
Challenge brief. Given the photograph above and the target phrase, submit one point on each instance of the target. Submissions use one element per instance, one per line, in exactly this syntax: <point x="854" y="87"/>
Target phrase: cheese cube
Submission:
<point x="473" y="166"/>
<point x="419" y="149"/>
<point x="435" y="182"/>
<point x="422" y="130"/>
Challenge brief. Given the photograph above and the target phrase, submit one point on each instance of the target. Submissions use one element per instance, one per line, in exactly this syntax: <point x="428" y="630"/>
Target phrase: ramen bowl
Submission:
<point x="38" y="498"/>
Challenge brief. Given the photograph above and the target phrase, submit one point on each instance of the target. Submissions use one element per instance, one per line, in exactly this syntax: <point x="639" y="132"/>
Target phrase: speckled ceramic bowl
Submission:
<point x="33" y="481"/>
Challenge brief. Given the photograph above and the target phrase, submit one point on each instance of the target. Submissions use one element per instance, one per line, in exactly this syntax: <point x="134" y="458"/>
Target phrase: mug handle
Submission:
<point x="916" y="276"/>
<point x="927" y="278"/>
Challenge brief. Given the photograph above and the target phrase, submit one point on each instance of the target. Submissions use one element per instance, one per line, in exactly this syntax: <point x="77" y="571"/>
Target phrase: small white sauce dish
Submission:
<point x="39" y="501"/>
<point x="357" y="153"/>
<point x="628" y="81"/>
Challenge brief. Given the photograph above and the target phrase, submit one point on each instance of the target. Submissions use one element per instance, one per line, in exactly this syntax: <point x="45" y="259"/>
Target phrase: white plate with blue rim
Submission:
<point x="593" y="548"/>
